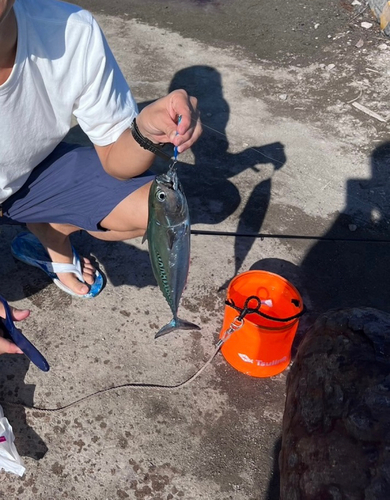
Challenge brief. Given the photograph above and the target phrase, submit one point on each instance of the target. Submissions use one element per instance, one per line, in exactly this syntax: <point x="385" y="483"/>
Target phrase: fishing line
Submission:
<point x="251" y="147"/>
<point x="278" y="236"/>
<point x="175" y="151"/>
<point x="275" y="160"/>
<point x="284" y="236"/>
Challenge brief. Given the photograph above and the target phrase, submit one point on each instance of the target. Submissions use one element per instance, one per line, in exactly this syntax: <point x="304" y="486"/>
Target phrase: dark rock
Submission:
<point x="336" y="432"/>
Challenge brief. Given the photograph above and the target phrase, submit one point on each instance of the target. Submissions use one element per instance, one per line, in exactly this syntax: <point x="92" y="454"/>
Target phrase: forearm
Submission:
<point x="125" y="158"/>
<point x="157" y="122"/>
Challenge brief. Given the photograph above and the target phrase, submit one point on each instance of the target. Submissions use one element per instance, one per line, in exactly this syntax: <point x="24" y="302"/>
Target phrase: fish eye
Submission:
<point x="160" y="195"/>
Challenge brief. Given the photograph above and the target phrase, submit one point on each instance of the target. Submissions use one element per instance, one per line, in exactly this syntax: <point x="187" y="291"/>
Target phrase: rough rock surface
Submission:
<point x="336" y="433"/>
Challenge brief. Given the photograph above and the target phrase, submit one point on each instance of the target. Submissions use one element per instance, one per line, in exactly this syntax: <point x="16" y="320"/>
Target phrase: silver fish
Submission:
<point x="168" y="235"/>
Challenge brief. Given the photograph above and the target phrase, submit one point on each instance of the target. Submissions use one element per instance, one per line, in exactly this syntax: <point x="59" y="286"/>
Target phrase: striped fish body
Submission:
<point x="168" y="235"/>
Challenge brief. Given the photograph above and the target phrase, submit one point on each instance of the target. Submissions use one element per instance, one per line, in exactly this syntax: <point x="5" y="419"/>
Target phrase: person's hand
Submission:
<point x="6" y="346"/>
<point x="159" y="121"/>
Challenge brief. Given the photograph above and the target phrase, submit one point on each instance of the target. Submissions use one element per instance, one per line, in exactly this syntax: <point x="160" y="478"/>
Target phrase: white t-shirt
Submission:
<point x="63" y="66"/>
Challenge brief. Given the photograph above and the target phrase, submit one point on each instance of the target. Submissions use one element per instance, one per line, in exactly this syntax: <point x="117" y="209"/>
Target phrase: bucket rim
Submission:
<point x="302" y="308"/>
<point x="268" y="273"/>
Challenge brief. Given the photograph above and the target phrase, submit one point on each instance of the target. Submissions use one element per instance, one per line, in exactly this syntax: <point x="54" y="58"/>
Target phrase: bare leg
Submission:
<point x="55" y="238"/>
<point x="131" y="214"/>
<point x="128" y="220"/>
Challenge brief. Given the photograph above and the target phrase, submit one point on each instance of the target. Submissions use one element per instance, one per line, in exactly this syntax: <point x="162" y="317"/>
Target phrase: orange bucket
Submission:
<point x="271" y="307"/>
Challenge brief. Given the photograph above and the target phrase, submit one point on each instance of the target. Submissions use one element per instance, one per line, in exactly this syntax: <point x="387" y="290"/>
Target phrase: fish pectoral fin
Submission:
<point x="145" y="237"/>
<point x="171" y="235"/>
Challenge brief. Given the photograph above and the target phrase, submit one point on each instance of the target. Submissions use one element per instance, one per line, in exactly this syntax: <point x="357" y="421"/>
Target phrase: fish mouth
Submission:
<point x="172" y="174"/>
<point x="166" y="181"/>
<point x="170" y="178"/>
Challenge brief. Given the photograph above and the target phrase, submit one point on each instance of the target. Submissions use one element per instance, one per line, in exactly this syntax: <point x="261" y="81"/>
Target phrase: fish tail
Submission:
<point x="176" y="324"/>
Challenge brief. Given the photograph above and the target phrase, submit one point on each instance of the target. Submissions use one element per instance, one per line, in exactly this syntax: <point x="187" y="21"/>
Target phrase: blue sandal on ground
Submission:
<point x="27" y="248"/>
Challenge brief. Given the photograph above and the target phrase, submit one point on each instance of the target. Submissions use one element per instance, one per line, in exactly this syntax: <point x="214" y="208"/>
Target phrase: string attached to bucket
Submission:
<point x="236" y="324"/>
<point x="238" y="321"/>
<point x="256" y="310"/>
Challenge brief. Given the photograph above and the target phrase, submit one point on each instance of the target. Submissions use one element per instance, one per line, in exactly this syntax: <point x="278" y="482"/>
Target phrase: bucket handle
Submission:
<point x="256" y="310"/>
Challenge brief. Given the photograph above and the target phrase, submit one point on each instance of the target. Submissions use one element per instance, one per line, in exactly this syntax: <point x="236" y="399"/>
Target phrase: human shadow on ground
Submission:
<point x="355" y="273"/>
<point x="212" y="193"/>
<point x="349" y="265"/>
<point x="13" y="389"/>
<point x="338" y="272"/>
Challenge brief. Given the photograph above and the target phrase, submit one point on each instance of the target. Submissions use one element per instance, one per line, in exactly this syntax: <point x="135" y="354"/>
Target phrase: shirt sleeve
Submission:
<point x="105" y="107"/>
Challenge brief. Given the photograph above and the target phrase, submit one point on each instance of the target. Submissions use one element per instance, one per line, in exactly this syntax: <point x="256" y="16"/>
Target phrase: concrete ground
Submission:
<point x="284" y="153"/>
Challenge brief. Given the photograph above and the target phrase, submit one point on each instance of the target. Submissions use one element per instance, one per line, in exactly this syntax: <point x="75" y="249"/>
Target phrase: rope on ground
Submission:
<point x="236" y="324"/>
<point x="118" y="387"/>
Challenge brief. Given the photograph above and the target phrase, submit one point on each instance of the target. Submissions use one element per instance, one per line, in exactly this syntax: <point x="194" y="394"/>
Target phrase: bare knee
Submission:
<point x="131" y="214"/>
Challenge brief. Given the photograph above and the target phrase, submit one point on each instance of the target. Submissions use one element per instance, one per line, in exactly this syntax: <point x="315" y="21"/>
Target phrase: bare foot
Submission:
<point x="55" y="239"/>
<point x="70" y="280"/>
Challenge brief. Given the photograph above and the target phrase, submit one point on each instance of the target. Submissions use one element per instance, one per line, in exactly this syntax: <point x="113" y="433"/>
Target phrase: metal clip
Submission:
<point x="235" y="325"/>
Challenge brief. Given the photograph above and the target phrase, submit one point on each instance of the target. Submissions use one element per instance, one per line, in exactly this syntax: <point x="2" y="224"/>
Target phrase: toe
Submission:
<point x="88" y="271"/>
<point x="73" y="283"/>
<point x="89" y="278"/>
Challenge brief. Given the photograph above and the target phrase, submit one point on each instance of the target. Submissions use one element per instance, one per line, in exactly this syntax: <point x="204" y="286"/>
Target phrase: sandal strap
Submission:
<point x="58" y="267"/>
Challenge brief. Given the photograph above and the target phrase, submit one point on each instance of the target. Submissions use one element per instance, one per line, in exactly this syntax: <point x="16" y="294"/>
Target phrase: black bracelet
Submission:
<point x="146" y="143"/>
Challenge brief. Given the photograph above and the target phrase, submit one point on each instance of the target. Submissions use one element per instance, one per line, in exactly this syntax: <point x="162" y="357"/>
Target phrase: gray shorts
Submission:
<point x="69" y="187"/>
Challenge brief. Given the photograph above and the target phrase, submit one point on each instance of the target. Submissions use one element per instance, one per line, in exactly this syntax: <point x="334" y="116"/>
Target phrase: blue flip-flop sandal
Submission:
<point x="27" y="248"/>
